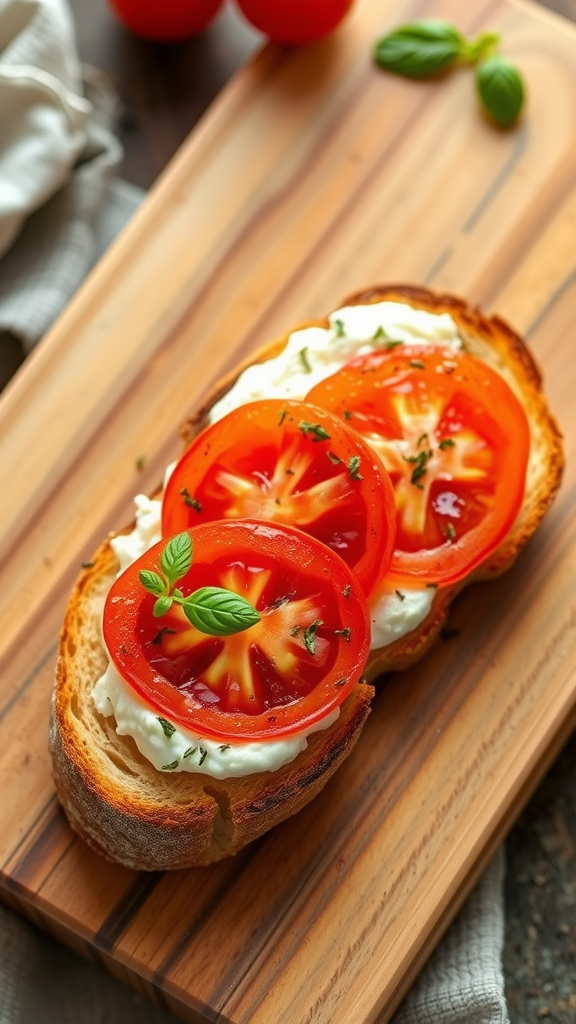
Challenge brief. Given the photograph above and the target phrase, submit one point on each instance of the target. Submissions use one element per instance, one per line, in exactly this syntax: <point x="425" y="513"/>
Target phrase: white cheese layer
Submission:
<point x="184" y="751"/>
<point x="314" y="353"/>
<point x="311" y="355"/>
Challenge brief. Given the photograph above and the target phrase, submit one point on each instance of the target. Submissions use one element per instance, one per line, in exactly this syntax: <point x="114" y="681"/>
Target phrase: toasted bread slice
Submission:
<point x="127" y="810"/>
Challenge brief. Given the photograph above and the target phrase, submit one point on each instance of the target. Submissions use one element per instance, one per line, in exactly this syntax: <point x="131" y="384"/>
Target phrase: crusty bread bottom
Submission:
<point x="128" y="811"/>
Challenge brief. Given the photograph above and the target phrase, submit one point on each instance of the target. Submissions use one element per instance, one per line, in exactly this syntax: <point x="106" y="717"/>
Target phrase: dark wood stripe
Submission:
<point x="50" y="655"/>
<point x="567" y="282"/>
<point x="46" y="835"/>
<point x="126" y="909"/>
<point x="493" y="188"/>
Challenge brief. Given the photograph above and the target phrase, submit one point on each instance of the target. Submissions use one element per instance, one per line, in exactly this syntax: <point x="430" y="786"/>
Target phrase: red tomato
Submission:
<point x="166" y="21"/>
<point x="288" y="462"/>
<point x="283" y="673"/>
<point x="295" y="21"/>
<point x="455" y="440"/>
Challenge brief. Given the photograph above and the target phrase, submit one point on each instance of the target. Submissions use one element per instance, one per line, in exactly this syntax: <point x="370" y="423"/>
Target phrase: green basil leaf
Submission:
<point x="177" y="557"/>
<point x="152" y="581"/>
<point x="500" y="89"/>
<point x="162" y="605"/>
<point x="420" y="49"/>
<point x="219" y="612"/>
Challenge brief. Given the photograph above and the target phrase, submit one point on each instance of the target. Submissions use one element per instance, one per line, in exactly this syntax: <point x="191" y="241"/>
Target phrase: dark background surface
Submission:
<point x="163" y="90"/>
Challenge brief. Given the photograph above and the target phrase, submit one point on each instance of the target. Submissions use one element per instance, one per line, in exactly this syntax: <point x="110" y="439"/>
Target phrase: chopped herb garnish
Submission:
<point x="432" y="586"/>
<point x="417" y="364"/>
<point x="353" y="467"/>
<point x="346" y="632"/>
<point x="333" y="458"/>
<point x="347" y="590"/>
<point x="170" y="767"/>
<point x="161" y="634"/>
<point x="189" y="500"/>
<point x="421" y="439"/>
<point x="419" y="462"/>
<point x="203" y="756"/>
<point x="289" y="472"/>
<point x="190" y="751"/>
<point x="303" y="353"/>
<point x="167" y="728"/>
<point x="87" y="565"/>
<point x="123" y="649"/>
<point x="295" y="630"/>
<point x="347" y="414"/>
<point x="310" y="636"/>
<point x="447" y="442"/>
<point x="224" y="746"/>
<point x="379" y="333"/>
<point x="315" y="430"/>
<point x="339" y="328"/>
<point x="140" y="462"/>
<point x="400" y="595"/>
<point x="450" y="532"/>
<point x="341" y="682"/>
<point x="281" y="417"/>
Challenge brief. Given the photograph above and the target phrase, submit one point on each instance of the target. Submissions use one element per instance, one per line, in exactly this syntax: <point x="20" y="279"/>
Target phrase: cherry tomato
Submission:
<point x="295" y="21"/>
<point x="285" y="672"/>
<point x="168" y="20"/>
<point x="289" y="462"/>
<point x="455" y="440"/>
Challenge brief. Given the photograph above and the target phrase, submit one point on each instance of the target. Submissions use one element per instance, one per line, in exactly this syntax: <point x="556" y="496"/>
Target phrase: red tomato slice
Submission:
<point x="288" y="462"/>
<point x="286" y="672"/>
<point x="455" y="440"/>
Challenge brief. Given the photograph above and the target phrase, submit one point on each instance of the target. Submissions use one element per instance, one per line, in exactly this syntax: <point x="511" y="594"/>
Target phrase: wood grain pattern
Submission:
<point x="313" y="175"/>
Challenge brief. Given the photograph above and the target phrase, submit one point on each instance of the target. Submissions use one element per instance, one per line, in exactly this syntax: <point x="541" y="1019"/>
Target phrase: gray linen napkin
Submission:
<point x="60" y="205"/>
<point x="58" y="156"/>
<point x="463" y="981"/>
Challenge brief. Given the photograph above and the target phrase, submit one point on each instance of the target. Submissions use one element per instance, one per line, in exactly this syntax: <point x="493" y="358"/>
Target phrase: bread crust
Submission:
<point x="131" y="813"/>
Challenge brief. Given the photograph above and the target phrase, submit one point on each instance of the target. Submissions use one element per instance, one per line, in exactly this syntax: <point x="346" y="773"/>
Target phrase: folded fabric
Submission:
<point x="58" y="154"/>
<point x="463" y="981"/>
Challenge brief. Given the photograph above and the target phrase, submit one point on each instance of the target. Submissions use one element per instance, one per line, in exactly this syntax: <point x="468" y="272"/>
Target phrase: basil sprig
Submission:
<point x="213" y="610"/>
<point x="430" y="46"/>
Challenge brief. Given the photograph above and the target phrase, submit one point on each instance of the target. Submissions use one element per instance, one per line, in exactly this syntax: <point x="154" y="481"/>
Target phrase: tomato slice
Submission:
<point x="455" y="441"/>
<point x="280" y="675"/>
<point x="289" y="462"/>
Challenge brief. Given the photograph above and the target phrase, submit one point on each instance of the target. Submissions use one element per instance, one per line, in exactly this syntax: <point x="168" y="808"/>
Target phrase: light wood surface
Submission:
<point x="314" y="174"/>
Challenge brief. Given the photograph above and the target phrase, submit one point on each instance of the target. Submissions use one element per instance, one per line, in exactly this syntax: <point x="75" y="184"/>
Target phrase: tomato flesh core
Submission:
<point x="291" y="463"/>
<point x="280" y="675"/>
<point x="455" y="441"/>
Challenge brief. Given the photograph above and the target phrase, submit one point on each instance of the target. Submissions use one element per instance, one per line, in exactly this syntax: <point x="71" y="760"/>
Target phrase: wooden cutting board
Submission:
<point x="313" y="175"/>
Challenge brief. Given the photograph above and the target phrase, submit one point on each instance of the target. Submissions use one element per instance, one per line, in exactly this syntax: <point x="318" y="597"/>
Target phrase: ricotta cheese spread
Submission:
<point x="310" y="355"/>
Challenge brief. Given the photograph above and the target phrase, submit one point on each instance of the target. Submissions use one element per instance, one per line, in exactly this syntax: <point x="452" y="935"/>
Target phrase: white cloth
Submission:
<point x="59" y="207"/>
<point x="58" y="155"/>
